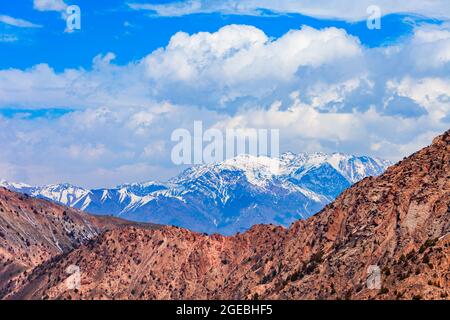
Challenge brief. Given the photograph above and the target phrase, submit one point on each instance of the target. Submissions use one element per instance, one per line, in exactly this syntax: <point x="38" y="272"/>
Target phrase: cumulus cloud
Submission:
<point x="303" y="126"/>
<point x="49" y="5"/>
<point x="321" y="88"/>
<point x="106" y="84"/>
<point x="340" y="9"/>
<point x="432" y="47"/>
<point x="95" y="147"/>
<point x="208" y="69"/>
<point x="241" y="61"/>
<point x="430" y="93"/>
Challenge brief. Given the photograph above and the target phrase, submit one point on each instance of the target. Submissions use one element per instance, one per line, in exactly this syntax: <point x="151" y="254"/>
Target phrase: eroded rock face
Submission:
<point x="224" y="197"/>
<point x="399" y="222"/>
<point x="33" y="231"/>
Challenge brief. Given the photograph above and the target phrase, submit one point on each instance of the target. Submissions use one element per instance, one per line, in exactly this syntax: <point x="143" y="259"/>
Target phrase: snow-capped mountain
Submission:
<point x="224" y="197"/>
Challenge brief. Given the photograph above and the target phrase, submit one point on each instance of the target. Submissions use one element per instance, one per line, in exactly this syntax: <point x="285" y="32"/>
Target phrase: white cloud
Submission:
<point x="88" y="152"/>
<point x="431" y="47"/>
<point x="340" y="9"/>
<point x="433" y="94"/>
<point x="240" y="61"/>
<point x="239" y="66"/>
<point x="95" y="147"/>
<point x="49" y="5"/>
<point x="303" y="127"/>
<point x="20" y="23"/>
<point x="321" y="88"/>
<point x="107" y="84"/>
<point x="210" y="69"/>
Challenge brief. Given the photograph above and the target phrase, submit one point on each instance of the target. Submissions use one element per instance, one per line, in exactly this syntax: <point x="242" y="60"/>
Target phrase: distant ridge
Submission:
<point x="225" y="197"/>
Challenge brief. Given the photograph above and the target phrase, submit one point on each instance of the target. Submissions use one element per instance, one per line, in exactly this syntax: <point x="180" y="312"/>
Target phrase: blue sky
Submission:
<point x="96" y="107"/>
<point x="112" y="26"/>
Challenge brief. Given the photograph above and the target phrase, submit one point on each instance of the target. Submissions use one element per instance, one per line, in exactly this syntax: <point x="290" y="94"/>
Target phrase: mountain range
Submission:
<point x="397" y="223"/>
<point x="225" y="197"/>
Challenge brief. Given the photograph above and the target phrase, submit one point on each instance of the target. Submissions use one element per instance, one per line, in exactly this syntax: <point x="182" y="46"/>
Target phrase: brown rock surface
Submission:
<point x="33" y="231"/>
<point x="399" y="222"/>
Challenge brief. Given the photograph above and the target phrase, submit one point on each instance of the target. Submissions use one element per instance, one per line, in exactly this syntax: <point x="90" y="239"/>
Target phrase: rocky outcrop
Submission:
<point x="34" y="231"/>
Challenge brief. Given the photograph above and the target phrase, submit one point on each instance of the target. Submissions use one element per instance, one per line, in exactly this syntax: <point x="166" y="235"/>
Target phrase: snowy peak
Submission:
<point x="62" y="193"/>
<point x="13" y="186"/>
<point x="227" y="196"/>
<point x="252" y="163"/>
<point x="262" y="168"/>
<point x="257" y="170"/>
<point x="142" y="189"/>
<point x="353" y="168"/>
<point x="356" y="168"/>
